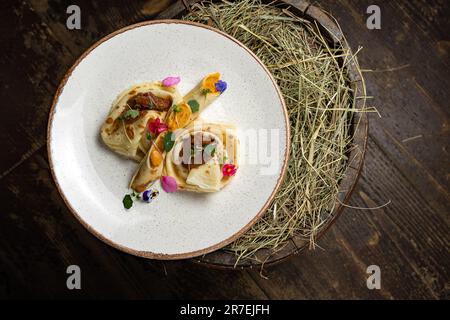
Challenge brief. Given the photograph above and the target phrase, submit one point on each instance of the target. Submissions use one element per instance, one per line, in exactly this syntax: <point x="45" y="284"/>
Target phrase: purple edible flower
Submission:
<point x="149" y="195"/>
<point x="221" y="86"/>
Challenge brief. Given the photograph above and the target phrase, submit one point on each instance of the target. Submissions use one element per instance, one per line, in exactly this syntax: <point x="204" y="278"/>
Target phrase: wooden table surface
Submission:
<point x="407" y="165"/>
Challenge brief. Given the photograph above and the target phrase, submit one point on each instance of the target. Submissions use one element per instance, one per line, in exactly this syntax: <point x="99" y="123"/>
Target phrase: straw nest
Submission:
<point x="312" y="76"/>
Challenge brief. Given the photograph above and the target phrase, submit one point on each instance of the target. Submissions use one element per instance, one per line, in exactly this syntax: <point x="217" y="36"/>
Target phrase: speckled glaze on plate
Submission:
<point x="92" y="180"/>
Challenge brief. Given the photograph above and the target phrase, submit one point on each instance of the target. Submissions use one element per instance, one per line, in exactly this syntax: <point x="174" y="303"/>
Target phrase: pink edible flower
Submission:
<point x="156" y="127"/>
<point x="169" y="184"/>
<point x="171" y="81"/>
<point x="229" y="170"/>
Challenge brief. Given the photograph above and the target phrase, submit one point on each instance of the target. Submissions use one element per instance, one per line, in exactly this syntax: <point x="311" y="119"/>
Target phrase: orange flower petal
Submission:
<point x="210" y="80"/>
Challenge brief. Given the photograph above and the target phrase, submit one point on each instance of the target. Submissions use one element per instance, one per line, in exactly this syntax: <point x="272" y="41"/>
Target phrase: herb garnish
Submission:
<point x="210" y="149"/>
<point x="168" y="141"/>
<point x="129" y="114"/>
<point x="176" y="108"/>
<point x="147" y="196"/>
<point x="205" y="91"/>
<point x="127" y="201"/>
<point x="194" y="105"/>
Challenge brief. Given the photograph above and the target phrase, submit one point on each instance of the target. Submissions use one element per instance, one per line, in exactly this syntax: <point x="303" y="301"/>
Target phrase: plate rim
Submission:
<point x="149" y="254"/>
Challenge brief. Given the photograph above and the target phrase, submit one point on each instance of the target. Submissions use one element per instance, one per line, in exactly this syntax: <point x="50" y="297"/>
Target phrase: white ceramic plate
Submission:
<point x="93" y="180"/>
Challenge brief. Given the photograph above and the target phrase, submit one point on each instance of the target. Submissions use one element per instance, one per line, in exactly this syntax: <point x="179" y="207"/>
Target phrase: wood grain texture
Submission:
<point x="407" y="163"/>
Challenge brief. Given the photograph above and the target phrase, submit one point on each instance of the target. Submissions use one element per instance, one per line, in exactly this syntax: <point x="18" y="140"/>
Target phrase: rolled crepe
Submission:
<point x="198" y="99"/>
<point x="199" y="154"/>
<point x="179" y="116"/>
<point x="151" y="166"/>
<point x="124" y="130"/>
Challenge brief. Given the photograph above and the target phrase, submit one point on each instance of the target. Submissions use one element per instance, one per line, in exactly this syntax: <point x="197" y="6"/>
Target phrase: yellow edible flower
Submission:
<point x="209" y="82"/>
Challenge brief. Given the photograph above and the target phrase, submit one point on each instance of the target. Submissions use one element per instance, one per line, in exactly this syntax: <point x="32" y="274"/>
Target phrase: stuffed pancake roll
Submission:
<point x="125" y="129"/>
<point x="200" y="97"/>
<point x="180" y="115"/>
<point x="151" y="166"/>
<point x="204" y="157"/>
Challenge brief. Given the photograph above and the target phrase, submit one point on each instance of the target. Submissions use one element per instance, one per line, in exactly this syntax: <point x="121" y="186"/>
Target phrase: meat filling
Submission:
<point x="149" y="101"/>
<point x="201" y="149"/>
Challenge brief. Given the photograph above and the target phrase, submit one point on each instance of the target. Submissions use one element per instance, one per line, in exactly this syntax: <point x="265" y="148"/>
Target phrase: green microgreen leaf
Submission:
<point x="149" y="136"/>
<point x="168" y="141"/>
<point x="205" y="91"/>
<point x="130" y="114"/>
<point x="210" y="149"/>
<point x="194" y="105"/>
<point x="176" y="108"/>
<point x="224" y="159"/>
<point x="127" y="201"/>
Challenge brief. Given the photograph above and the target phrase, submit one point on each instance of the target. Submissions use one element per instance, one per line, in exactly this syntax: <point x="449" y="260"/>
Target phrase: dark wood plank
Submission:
<point x="413" y="101"/>
<point x="407" y="239"/>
